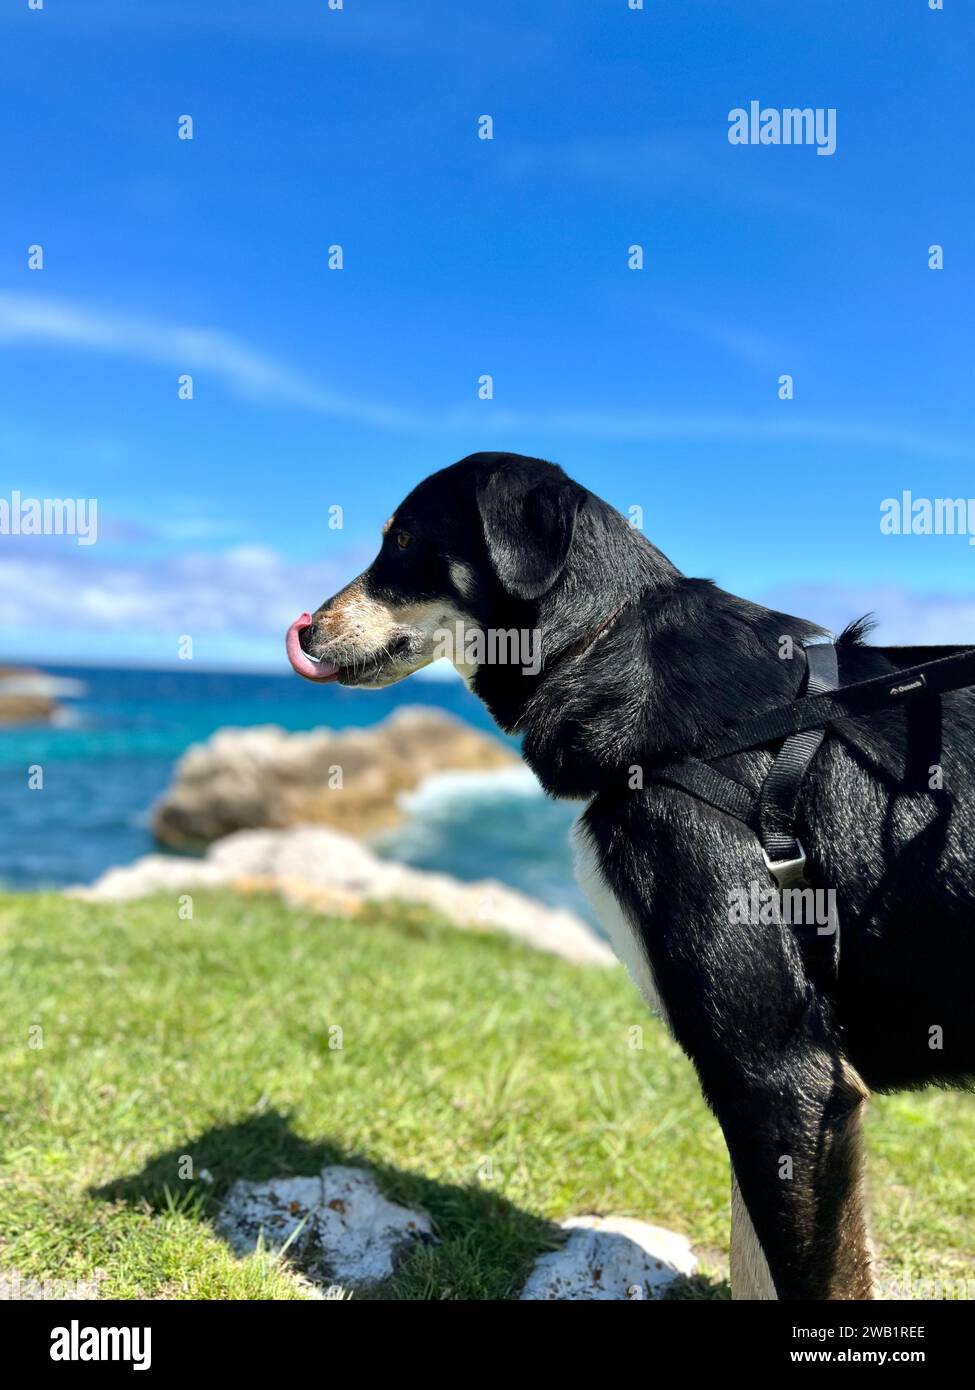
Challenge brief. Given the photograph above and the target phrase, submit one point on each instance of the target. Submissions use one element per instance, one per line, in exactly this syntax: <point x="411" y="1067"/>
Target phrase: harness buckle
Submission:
<point x="788" y="873"/>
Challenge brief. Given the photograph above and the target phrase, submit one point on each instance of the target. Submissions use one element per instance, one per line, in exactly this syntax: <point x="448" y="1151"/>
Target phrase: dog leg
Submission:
<point x="799" y="1228"/>
<point x="751" y="1277"/>
<point x="852" y="1257"/>
<point x="762" y="1037"/>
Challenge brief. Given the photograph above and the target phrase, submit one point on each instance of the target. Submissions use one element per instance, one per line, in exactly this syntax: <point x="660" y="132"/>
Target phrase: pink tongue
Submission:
<point x="300" y="661"/>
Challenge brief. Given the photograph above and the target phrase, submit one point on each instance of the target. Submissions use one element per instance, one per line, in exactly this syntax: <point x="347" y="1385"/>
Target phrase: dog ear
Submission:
<point x="529" y="518"/>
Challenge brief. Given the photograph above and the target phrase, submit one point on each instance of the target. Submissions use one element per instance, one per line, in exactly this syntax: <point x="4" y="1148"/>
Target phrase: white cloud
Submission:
<point x="701" y="428"/>
<point x="253" y="374"/>
<point x="903" y="617"/>
<point x="236" y="605"/>
<point x="66" y="605"/>
<point x="207" y="351"/>
<point x="50" y="603"/>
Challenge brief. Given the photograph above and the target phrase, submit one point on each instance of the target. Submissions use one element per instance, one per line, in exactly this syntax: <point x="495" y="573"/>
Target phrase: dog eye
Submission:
<point x="403" y="539"/>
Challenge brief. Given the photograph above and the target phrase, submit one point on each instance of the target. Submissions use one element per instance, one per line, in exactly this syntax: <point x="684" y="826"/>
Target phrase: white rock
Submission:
<point x="315" y="867"/>
<point x="610" y="1257"/>
<point x="349" y="1234"/>
<point x="153" y="873"/>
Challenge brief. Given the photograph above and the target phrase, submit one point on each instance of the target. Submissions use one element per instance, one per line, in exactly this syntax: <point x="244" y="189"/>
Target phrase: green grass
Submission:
<point x="493" y="1086"/>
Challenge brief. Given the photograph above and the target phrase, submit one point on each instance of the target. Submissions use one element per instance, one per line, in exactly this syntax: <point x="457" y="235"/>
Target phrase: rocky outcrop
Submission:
<point x="24" y="698"/>
<point x="338" y="1228"/>
<point x="243" y="779"/>
<point x="610" y="1258"/>
<point x="341" y="1233"/>
<point x="319" y="869"/>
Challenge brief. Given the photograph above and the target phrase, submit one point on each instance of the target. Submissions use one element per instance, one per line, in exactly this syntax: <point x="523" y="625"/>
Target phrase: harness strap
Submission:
<point x="848" y="702"/>
<point x="772" y="814"/>
<point x="778" y="805"/>
<point x="710" y="785"/>
<point x="778" y="800"/>
<point x="802" y="725"/>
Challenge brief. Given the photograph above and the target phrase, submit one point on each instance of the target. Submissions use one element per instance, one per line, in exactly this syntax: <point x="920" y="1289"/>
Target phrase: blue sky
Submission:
<point x="657" y="388"/>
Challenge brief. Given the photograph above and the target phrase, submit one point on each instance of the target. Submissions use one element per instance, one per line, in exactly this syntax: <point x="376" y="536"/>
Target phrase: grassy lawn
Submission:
<point x="495" y="1087"/>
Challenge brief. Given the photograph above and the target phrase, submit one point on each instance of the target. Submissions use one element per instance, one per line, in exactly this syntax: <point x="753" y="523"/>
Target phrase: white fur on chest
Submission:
<point x="624" y="937"/>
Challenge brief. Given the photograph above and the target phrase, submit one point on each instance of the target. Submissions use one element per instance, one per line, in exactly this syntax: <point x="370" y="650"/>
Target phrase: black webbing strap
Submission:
<point x="848" y="702"/>
<point x="779" y="798"/>
<point x="778" y="805"/>
<point x="802" y="725"/>
<point x="772" y="815"/>
<point x="709" y="785"/>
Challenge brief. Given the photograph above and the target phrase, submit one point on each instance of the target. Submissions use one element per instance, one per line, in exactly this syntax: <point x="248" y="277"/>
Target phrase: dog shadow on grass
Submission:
<point x="484" y="1245"/>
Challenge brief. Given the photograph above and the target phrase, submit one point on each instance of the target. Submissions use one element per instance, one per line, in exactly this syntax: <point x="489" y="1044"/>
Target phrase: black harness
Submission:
<point x="802" y="725"/>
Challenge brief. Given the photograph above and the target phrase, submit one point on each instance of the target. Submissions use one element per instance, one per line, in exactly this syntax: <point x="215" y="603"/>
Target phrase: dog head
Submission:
<point x="497" y="546"/>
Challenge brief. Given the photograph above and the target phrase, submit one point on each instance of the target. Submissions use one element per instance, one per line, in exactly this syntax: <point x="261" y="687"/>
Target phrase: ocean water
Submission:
<point x="112" y="754"/>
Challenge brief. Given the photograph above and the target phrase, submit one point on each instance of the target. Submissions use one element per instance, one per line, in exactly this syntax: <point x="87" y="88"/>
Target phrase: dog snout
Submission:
<point x="321" y="633"/>
<point x="350" y="622"/>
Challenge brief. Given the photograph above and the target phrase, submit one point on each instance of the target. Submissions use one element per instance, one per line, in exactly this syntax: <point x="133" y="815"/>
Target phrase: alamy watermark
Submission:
<point x="756" y="904"/>
<point x="792" y="125"/>
<point x="16" y="1287"/>
<point x="75" y="1342"/>
<point x="492" y="646"/>
<point x="908" y="515"/>
<point x="932" y="1289"/>
<point x="50" y="516"/>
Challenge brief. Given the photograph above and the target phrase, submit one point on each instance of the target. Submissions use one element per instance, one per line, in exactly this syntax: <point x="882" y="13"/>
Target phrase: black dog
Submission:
<point x="638" y="665"/>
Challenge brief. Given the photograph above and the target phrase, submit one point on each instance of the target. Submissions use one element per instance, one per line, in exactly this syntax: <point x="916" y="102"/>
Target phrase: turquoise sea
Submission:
<point x="112" y="753"/>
